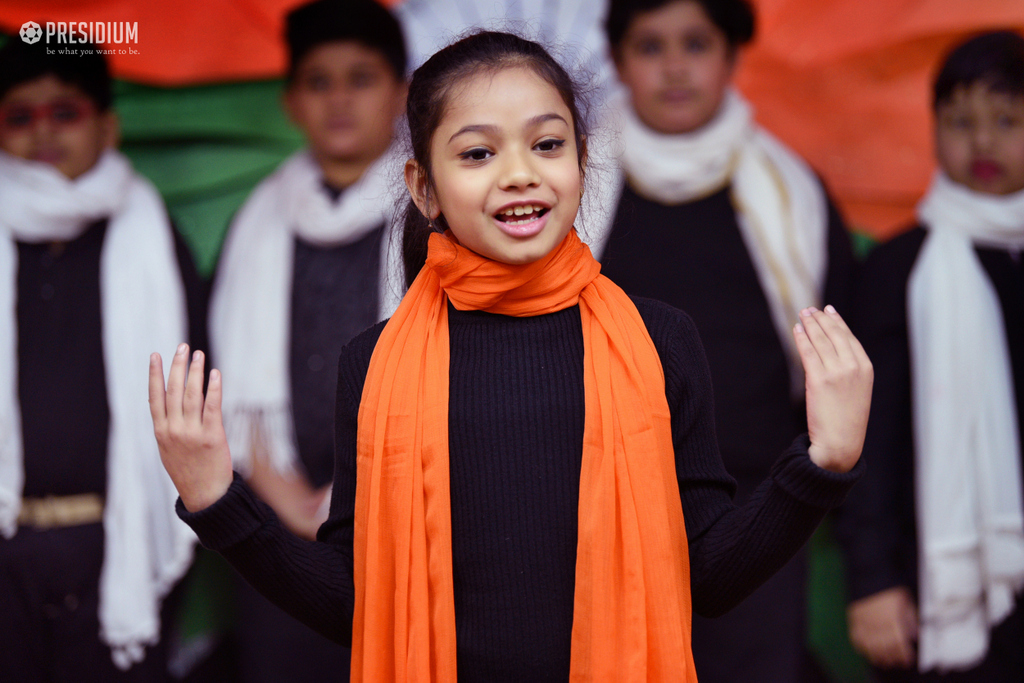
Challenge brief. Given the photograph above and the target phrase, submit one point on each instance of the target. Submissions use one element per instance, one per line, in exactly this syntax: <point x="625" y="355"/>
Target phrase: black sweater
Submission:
<point x="693" y="256"/>
<point x="516" y="413"/>
<point x="62" y="388"/>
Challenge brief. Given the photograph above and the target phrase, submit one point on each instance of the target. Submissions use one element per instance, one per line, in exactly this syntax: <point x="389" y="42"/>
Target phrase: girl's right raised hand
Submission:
<point x="189" y="429"/>
<point x="839" y="377"/>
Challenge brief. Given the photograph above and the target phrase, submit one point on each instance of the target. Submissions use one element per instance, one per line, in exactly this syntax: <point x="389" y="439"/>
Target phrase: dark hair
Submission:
<point x="87" y="70"/>
<point x="329" y="21"/>
<point x="735" y="18"/>
<point x="995" y="59"/>
<point x="429" y="90"/>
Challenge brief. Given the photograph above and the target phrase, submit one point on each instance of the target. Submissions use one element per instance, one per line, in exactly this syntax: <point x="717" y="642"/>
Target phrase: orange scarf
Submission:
<point x="631" y="619"/>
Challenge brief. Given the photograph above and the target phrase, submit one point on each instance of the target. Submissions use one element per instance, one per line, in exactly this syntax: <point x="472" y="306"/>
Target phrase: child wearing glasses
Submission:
<point x="90" y="545"/>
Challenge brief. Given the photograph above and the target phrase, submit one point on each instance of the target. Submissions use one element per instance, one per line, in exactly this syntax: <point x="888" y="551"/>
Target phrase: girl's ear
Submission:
<point x="419" y="189"/>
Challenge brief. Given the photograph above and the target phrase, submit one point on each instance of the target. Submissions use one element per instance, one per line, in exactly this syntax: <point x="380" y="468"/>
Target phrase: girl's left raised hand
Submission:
<point x="839" y="377"/>
<point x="189" y="429"/>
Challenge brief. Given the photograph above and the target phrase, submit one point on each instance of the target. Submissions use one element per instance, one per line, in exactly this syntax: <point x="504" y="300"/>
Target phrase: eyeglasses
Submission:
<point x="19" y="117"/>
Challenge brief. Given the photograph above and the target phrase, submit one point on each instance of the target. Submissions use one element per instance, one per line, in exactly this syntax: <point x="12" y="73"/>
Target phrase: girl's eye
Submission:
<point x="960" y="122"/>
<point x="475" y="154"/>
<point x="549" y="145"/>
<point x="649" y="47"/>
<point x="1007" y="121"/>
<point x="362" y="79"/>
<point x="318" y="83"/>
<point x="696" y="44"/>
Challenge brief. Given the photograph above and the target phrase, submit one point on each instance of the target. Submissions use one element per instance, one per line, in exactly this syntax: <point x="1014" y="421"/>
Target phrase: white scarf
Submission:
<point x="968" y="479"/>
<point x="250" y="310"/>
<point x="780" y="205"/>
<point x="146" y="547"/>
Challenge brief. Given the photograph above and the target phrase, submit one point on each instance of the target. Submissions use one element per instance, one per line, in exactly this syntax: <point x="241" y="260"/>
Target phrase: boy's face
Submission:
<point x="979" y="139"/>
<point x="677" y="65"/>
<point x="53" y="122"/>
<point x="345" y="98"/>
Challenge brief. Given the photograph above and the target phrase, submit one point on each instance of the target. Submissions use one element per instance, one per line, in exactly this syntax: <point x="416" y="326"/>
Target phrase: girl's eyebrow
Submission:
<point x="491" y="129"/>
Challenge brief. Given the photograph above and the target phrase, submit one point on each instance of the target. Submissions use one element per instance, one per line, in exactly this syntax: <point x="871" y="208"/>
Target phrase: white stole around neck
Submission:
<point x="780" y="204"/>
<point x="967" y="446"/>
<point x="250" y="309"/>
<point x="146" y="548"/>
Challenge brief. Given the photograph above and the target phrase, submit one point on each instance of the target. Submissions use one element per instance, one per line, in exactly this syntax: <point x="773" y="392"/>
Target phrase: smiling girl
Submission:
<point x="527" y="483"/>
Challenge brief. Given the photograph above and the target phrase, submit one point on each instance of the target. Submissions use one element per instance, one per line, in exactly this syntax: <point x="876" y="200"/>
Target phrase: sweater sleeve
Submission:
<point x="733" y="549"/>
<point x="311" y="580"/>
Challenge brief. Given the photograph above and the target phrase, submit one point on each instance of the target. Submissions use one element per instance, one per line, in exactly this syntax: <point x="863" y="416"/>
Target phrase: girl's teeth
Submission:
<point x="521" y="210"/>
<point x="528" y="211"/>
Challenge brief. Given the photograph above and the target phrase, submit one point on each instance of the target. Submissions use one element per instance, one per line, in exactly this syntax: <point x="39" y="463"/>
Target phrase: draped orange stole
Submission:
<point x="631" y="619"/>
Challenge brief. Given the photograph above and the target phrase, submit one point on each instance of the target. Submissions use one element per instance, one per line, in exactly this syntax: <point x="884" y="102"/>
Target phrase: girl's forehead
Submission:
<point x="980" y="93"/>
<point x="507" y="94"/>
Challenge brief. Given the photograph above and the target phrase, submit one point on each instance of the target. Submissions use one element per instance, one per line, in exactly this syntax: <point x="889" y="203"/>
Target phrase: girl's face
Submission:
<point x="979" y="139"/>
<point x="345" y="98"/>
<point x="677" y="65"/>
<point x="506" y="175"/>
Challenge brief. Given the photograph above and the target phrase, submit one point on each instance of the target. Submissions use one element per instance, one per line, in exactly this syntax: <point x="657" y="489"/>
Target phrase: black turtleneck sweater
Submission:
<point x="516" y="415"/>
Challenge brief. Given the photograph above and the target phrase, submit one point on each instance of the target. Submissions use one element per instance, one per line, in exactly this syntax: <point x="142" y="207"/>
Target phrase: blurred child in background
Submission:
<point x="303" y="270"/>
<point x="935" y="535"/>
<point x="91" y="276"/>
<point x="715" y="216"/>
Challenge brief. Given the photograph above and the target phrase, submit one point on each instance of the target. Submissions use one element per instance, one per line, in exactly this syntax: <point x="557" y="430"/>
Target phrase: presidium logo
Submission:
<point x="31" y="32"/>
<point x="71" y="32"/>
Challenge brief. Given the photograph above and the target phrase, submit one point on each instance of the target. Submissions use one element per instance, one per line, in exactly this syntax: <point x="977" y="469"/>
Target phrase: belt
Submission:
<point x="60" y="511"/>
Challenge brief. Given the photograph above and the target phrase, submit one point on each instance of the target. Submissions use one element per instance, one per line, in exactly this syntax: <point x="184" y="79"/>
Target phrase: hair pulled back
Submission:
<point x="735" y="18"/>
<point x="995" y="58"/>
<point x="429" y="91"/>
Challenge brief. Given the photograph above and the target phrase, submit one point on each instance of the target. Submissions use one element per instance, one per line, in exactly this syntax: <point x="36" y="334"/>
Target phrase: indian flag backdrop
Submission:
<point x="844" y="82"/>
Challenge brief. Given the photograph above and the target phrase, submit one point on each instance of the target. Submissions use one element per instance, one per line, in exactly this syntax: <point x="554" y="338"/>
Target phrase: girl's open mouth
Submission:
<point x="521" y="215"/>
<point x="524" y="220"/>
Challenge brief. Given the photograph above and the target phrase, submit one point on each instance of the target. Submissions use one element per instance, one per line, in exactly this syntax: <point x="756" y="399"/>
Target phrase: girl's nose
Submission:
<point x="675" y="61"/>
<point x="518" y="172"/>
<point x="983" y="137"/>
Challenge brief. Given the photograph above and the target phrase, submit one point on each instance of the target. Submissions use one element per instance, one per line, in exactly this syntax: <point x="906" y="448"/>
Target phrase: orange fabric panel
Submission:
<point x="848" y="86"/>
<point x="844" y="82"/>
<point x="184" y="42"/>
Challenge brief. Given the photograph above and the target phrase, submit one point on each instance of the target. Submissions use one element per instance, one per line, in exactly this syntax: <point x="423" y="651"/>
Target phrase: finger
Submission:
<point x="193" y="403"/>
<point x="808" y="355"/>
<point x="837" y="329"/>
<point x="834" y="345"/>
<point x="214" y="393"/>
<point x="176" y="382"/>
<point x="855" y="346"/>
<point x="157" y="392"/>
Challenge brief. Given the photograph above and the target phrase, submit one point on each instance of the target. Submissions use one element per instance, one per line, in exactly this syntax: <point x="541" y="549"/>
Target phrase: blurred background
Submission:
<point x="845" y="83"/>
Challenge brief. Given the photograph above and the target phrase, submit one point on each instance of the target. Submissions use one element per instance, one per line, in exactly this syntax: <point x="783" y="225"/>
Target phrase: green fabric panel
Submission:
<point x="863" y="243"/>
<point x="827" y="635"/>
<point x="205" y="148"/>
